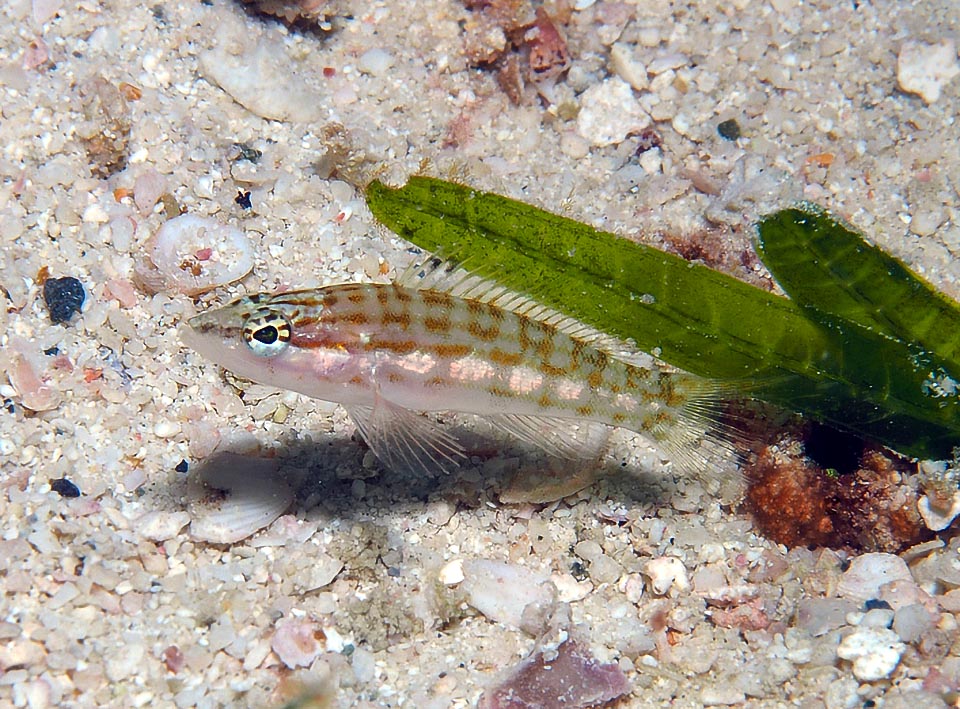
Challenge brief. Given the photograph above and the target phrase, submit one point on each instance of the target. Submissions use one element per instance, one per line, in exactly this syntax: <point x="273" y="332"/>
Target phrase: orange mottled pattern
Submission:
<point x="478" y="356"/>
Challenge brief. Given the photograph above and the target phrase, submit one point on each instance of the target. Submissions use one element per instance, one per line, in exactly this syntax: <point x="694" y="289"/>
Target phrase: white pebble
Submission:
<point x="628" y="67"/>
<point x="375" y="62"/>
<point x="95" y="214"/>
<point x="609" y="113"/>
<point x="924" y="69"/>
<point x="501" y="591"/>
<point x="160" y="526"/>
<point x="167" y="429"/>
<point x="452" y="573"/>
<point x="264" y="80"/>
<point x="665" y="573"/>
<point x="364" y="666"/>
<point x="875" y="652"/>
<point x="912" y="621"/>
<point x="926" y="222"/>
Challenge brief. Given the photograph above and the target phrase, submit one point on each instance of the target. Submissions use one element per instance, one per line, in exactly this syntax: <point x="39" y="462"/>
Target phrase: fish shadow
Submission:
<point x="337" y="476"/>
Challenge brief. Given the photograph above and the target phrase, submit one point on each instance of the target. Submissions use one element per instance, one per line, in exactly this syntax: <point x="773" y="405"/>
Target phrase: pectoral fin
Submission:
<point x="406" y="441"/>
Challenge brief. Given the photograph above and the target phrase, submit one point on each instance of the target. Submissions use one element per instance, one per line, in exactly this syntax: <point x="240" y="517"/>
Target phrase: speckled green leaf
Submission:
<point x="691" y="316"/>
<point x="822" y="264"/>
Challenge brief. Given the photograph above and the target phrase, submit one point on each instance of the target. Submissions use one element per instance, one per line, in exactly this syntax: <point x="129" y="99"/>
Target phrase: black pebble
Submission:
<point x="64" y="297"/>
<point x="243" y="199"/>
<point x="875" y="603"/>
<point x="182" y="466"/>
<point x="729" y="129"/>
<point x="64" y="488"/>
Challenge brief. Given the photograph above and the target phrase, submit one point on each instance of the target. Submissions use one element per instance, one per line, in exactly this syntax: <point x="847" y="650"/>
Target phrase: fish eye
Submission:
<point x="267" y="333"/>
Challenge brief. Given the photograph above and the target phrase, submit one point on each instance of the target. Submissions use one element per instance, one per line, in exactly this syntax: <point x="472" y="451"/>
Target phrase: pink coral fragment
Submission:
<point x="297" y="643"/>
<point x="570" y="679"/>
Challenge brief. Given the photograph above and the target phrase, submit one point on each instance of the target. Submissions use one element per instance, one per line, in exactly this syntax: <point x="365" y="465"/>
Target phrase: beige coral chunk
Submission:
<point x="924" y="69"/>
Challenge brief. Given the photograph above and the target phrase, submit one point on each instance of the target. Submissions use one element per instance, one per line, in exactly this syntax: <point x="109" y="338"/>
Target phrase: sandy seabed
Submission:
<point x="116" y="114"/>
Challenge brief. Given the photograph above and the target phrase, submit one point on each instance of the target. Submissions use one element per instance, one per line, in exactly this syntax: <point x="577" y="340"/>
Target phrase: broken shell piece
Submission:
<point x="297" y="642"/>
<point x="234" y="496"/>
<point x="191" y="254"/>
<point x="21" y="370"/>
<point x="868" y="572"/>
<point x="938" y="517"/>
<point x="666" y="572"/>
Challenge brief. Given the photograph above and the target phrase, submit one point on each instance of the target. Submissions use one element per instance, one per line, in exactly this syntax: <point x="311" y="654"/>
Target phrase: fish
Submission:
<point x="440" y="339"/>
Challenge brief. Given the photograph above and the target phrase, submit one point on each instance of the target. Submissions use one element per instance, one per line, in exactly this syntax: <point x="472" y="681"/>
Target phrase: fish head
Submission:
<point x="274" y="340"/>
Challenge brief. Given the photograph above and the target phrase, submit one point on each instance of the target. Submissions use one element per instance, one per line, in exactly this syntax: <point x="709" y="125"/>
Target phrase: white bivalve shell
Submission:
<point x="235" y="496"/>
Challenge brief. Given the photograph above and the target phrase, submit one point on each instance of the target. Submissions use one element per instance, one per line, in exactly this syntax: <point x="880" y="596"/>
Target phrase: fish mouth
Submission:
<point x="211" y="332"/>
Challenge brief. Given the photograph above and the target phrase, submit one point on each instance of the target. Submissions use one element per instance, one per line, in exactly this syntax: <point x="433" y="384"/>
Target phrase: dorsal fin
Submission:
<point x="433" y="273"/>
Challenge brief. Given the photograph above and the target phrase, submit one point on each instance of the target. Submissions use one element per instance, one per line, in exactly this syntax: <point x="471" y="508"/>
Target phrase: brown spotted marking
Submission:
<point x="497" y="390"/>
<point x="392" y="317"/>
<point x="356" y="317"/>
<point x="449" y="351"/>
<point x="438" y="382"/>
<point x="545" y="401"/>
<point x="485" y="334"/>
<point x="595" y="379"/>
<point x="436" y="299"/>
<point x="506" y="359"/>
<point x="357" y="297"/>
<point x="552" y="370"/>
<point x="399" y="347"/>
<point x="437" y="325"/>
<point x="395" y="377"/>
<point x="584" y="411"/>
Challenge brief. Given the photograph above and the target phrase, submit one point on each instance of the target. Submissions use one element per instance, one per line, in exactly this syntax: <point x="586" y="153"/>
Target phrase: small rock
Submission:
<point x="609" y="113"/>
<point x="364" y="666"/>
<point x="628" y="67"/>
<point x="322" y="571"/>
<point x="568" y="676"/>
<point x="375" y="62"/>
<point x="924" y="69"/>
<point x="868" y="572"/>
<point x="21" y="653"/>
<point x="818" y="616"/>
<point x="452" y="573"/>
<point x="64" y="297"/>
<point x="875" y="652"/>
<point x="501" y="591"/>
<point x="262" y="79"/>
<point x="126" y="662"/>
<point x="160" y="526"/>
<point x="910" y="622"/>
<point x="147" y="189"/>
<point x="64" y="488"/>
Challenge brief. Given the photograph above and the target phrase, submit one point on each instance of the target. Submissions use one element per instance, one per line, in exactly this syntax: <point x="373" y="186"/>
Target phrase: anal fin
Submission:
<point x="574" y="439"/>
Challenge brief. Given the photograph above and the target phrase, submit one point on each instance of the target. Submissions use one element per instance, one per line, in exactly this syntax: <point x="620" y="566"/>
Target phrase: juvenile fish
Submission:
<point x="442" y="340"/>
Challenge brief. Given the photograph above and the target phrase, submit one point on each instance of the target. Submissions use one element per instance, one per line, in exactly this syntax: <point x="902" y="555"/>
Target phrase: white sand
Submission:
<point x="93" y="595"/>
